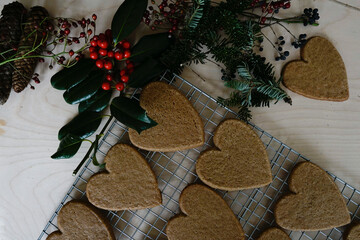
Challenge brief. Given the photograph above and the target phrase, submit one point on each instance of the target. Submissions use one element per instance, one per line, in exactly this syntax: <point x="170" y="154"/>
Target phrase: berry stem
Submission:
<point x="270" y="42"/>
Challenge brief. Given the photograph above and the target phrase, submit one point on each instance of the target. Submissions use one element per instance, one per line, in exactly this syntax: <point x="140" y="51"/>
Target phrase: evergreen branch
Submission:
<point x="197" y="13"/>
<point x="241" y="86"/>
<point x="273" y="92"/>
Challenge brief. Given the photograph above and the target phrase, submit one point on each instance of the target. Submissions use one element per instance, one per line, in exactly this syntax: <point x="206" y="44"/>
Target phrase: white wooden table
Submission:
<point x="32" y="184"/>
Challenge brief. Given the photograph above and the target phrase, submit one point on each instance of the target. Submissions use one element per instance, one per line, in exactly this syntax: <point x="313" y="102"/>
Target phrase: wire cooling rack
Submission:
<point x="174" y="171"/>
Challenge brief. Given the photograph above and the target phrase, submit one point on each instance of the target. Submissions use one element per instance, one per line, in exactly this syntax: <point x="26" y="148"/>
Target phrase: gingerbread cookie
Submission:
<point x="78" y="221"/>
<point x="274" y="234"/>
<point x="128" y="184"/>
<point x="353" y="233"/>
<point x="321" y="73"/>
<point x="207" y="216"/>
<point x="315" y="202"/>
<point x="179" y="124"/>
<point x="240" y="162"/>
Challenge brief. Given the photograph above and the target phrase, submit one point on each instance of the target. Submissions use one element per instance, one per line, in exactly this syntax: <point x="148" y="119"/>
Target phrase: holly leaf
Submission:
<point x="129" y="112"/>
<point x="145" y="72"/>
<point x="69" y="77"/>
<point x="150" y="46"/>
<point x="127" y="18"/>
<point x="83" y="125"/>
<point x="94" y="158"/>
<point x="68" y="147"/>
<point x="86" y="89"/>
<point x="97" y="102"/>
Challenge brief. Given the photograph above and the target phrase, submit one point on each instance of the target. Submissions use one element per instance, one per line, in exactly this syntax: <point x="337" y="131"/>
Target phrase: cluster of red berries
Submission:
<point x="105" y="54"/>
<point x="272" y="7"/>
<point x="170" y="13"/>
<point x="62" y="35"/>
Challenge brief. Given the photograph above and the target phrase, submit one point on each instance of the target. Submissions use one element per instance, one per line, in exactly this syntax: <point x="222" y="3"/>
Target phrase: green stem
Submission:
<point x="87" y="140"/>
<point x="92" y="147"/>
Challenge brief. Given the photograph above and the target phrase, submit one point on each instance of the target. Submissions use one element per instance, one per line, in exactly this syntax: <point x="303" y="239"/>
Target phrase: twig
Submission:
<point x="195" y="73"/>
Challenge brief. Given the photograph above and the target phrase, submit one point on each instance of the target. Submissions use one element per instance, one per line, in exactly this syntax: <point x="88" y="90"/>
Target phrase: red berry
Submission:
<point x="119" y="86"/>
<point x="108" y="65"/>
<point x="106" y="86"/>
<point x="287" y="5"/>
<point x="122" y="72"/>
<point x="93" y="43"/>
<point x="92" y="49"/>
<point x="126" y="45"/>
<point x="103" y="52"/>
<point x="77" y="58"/>
<point x="128" y="61"/>
<point x="131" y="70"/>
<point x="125" y="78"/>
<point x="100" y="63"/>
<point x="119" y="56"/>
<point x="108" y="34"/>
<point x="67" y="31"/>
<point x="130" y="65"/>
<point x="96" y="37"/>
<point x="269" y="10"/>
<point x="102" y="36"/>
<point x="94" y="17"/>
<point x="89" y="32"/>
<point x="103" y="44"/>
<point x="127" y="54"/>
<point x="262" y="20"/>
<point x="71" y="53"/>
<point x="109" y="77"/>
<point x="94" y="56"/>
<point x="111" y="54"/>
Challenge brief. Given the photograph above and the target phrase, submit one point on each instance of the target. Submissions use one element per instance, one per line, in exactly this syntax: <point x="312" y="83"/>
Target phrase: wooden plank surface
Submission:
<point x="32" y="184"/>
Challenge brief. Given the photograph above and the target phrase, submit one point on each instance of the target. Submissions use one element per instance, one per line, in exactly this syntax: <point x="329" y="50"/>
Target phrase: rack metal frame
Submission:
<point x="174" y="171"/>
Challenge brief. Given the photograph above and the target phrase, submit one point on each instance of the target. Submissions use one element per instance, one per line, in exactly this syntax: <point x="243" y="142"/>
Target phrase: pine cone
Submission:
<point x="25" y="67"/>
<point x="12" y="17"/>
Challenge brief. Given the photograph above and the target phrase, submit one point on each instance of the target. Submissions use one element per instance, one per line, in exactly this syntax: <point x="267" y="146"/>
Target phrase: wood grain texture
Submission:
<point x="32" y="184"/>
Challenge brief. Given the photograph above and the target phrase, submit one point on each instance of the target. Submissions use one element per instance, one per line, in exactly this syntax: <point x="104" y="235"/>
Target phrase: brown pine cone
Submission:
<point x="12" y="16"/>
<point x="32" y="36"/>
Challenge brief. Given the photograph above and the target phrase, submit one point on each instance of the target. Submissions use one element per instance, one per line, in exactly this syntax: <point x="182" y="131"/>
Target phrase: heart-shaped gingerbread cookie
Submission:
<point x="78" y="221"/>
<point x="128" y="184"/>
<point x="274" y="234"/>
<point x="353" y="233"/>
<point x="207" y="216"/>
<point x="241" y="161"/>
<point x="321" y="73"/>
<point x="179" y="124"/>
<point x="315" y="204"/>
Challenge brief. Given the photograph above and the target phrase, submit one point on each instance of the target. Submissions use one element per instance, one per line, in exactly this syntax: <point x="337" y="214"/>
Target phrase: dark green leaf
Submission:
<point x="96" y="103"/>
<point x="150" y="46"/>
<point x="83" y="125"/>
<point x="145" y="72"/>
<point x="68" y="147"/>
<point x="127" y="18"/>
<point x="129" y="112"/>
<point x="69" y="77"/>
<point x="86" y="89"/>
<point x="96" y="144"/>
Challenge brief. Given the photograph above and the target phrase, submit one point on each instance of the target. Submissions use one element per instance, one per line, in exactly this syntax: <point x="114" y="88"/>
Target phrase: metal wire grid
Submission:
<point x="174" y="171"/>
